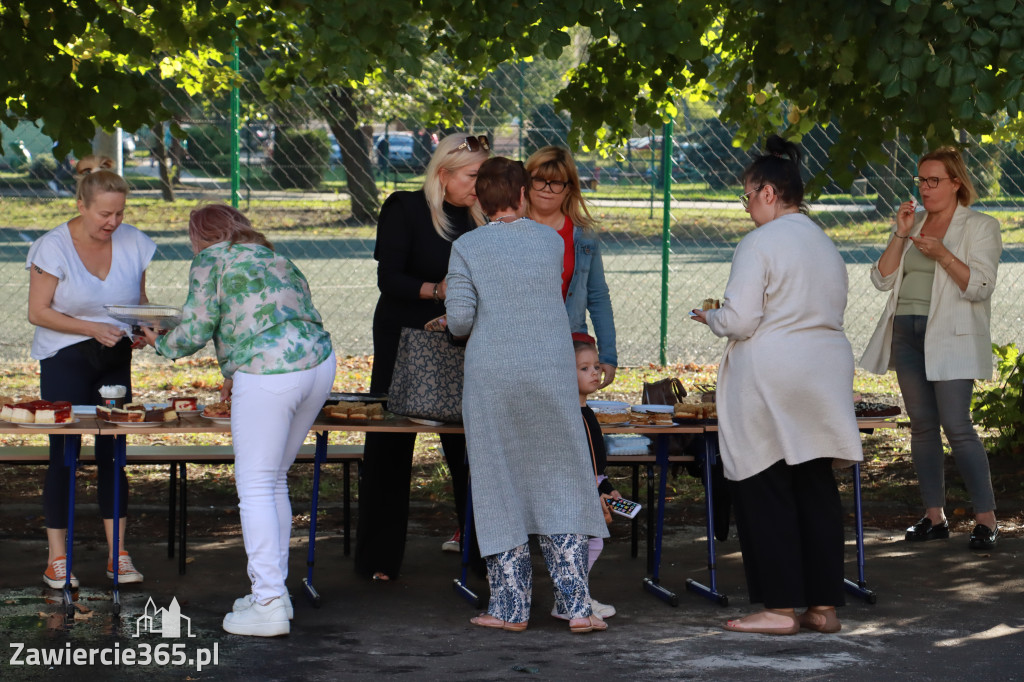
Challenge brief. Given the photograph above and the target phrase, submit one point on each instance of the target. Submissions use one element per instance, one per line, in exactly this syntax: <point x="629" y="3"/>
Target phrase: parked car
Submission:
<point x="401" y="152"/>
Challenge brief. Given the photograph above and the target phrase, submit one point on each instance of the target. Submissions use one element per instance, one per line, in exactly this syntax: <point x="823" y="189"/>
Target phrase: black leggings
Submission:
<point x="76" y="373"/>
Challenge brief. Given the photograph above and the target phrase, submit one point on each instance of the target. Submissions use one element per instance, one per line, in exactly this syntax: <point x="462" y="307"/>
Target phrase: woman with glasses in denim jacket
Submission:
<point x="555" y="200"/>
<point x="940" y="265"/>
<point x="415" y="231"/>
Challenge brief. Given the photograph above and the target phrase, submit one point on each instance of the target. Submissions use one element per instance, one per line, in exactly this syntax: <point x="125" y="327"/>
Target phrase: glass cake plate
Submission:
<point x="156" y="316"/>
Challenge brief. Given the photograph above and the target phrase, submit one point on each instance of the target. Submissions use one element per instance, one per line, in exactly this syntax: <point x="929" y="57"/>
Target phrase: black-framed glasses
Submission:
<point x="553" y="186"/>
<point x="745" y="198"/>
<point x="932" y="182"/>
<point x="473" y="143"/>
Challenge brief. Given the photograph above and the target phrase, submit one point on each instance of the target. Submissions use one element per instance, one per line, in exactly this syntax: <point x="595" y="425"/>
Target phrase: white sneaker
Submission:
<point x="602" y="611"/>
<point x="259" y="620"/>
<point x="452" y="544"/>
<point x="559" y="616"/>
<point x="242" y="603"/>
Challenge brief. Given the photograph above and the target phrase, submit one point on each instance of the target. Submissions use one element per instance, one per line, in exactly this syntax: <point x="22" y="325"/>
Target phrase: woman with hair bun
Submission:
<point x="75" y="269"/>
<point x="784" y="407"/>
<point x="278" y="366"/>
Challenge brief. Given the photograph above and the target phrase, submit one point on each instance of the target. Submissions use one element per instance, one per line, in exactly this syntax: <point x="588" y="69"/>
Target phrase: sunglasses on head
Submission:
<point x="473" y="144"/>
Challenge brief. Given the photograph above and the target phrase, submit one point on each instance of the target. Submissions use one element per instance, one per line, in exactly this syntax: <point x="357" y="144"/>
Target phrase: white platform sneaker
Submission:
<point x="259" y="620"/>
<point x="242" y="603"/>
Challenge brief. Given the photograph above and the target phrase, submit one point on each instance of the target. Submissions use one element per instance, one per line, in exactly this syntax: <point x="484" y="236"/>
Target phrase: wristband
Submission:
<point x="436" y="298"/>
<point x="900" y="236"/>
<point x="949" y="262"/>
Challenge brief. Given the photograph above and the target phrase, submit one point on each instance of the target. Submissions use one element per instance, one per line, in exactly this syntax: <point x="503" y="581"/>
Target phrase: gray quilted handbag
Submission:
<point x="427" y="381"/>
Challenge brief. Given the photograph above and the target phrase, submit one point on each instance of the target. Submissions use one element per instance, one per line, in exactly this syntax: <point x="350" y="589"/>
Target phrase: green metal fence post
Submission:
<point x="235" y="115"/>
<point x="666" y="221"/>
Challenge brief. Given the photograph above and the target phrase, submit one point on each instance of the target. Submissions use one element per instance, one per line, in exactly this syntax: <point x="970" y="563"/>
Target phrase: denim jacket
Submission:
<point x="589" y="291"/>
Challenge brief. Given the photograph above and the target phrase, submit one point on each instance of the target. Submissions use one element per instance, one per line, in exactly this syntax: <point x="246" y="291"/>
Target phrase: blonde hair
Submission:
<point x="94" y="175"/>
<point x="555" y="163"/>
<point x="215" y="223"/>
<point x="955" y="166"/>
<point x="446" y="157"/>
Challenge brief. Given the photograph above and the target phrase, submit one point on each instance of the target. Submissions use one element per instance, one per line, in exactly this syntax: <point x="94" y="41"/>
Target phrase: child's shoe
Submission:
<point x="602" y="611"/>
<point x="56" y="574"/>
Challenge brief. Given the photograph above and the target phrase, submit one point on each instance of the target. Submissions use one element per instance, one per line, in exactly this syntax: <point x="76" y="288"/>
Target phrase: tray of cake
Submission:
<point x="354" y="412"/>
<point x="651" y="415"/>
<point x="136" y="415"/>
<point x="689" y="413"/>
<point x="610" y="412"/>
<point x="38" y="413"/>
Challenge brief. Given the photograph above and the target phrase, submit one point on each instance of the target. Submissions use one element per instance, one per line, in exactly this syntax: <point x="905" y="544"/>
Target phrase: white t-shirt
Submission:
<point x="80" y="293"/>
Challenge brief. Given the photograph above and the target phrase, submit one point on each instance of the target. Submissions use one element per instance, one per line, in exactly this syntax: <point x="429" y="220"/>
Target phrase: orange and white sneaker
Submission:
<point x="56" y="574"/>
<point x="126" y="572"/>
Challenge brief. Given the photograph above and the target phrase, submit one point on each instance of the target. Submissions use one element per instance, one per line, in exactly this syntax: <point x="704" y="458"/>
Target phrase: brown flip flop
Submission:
<point x="594" y="624"/>
<point x="737" y="626"/>
<point x="829" y="626"/>
<point x="486" y="620"/>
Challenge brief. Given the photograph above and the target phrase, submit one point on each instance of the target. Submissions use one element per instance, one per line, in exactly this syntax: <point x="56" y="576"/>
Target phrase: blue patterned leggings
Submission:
<point x="510" y="575"/>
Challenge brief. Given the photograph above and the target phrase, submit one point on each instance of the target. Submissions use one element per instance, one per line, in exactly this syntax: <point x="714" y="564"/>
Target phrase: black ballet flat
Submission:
<point x="925" y="530"/>
<point x="982" y="537"/>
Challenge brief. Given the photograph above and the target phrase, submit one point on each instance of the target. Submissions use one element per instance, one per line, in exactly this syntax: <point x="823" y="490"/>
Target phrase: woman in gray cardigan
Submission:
<point x="940" y="265"/>
<point x="528" y="453"/>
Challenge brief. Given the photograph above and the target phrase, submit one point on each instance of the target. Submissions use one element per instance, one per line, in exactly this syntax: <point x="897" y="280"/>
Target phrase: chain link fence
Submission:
<point x="313" y="171"/>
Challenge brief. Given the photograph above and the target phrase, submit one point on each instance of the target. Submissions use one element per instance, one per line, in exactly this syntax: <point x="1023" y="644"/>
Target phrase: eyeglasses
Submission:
<point x="473" y="144"/>
<point x="745" y="198"/>
<point x="554" y="186"/>
<point x="932" y="182"/>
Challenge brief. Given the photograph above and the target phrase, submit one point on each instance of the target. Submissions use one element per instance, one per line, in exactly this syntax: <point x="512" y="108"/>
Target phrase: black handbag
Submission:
<point x="427" y="381"/>
<point x="663" y="392"/>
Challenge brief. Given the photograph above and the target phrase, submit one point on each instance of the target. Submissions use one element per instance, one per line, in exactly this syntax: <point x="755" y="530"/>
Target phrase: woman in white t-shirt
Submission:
<point x="74" y="270"/>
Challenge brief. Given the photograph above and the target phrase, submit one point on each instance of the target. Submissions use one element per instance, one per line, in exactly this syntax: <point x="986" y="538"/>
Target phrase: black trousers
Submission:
<point x="384" y="499"/>
<point x="76" y="373"/>
<point x="790" y="524"/>
<point x="386" y="474"/>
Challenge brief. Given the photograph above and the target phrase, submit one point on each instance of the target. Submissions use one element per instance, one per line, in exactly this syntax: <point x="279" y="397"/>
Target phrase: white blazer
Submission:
<point x="957" y="341"/>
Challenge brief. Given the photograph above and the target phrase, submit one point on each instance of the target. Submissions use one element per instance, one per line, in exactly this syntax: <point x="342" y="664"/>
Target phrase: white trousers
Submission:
<point x="270" y="418"/>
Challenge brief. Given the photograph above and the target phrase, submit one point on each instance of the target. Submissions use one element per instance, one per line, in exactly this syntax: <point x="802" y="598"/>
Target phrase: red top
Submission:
<point x="569" y="259"/>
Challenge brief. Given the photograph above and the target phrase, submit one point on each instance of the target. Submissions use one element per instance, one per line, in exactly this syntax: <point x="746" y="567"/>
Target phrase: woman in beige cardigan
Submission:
<point x="940" y="265"/>
<point x="784" y="406"/>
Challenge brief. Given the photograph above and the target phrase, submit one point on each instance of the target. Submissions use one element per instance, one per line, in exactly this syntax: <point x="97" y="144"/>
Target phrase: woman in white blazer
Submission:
<point x="784" y="407"/>
<point x="940" y="265"/>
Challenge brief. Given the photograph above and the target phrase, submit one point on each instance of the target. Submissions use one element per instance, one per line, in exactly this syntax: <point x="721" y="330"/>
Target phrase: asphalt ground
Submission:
<point x="943" y="612"/>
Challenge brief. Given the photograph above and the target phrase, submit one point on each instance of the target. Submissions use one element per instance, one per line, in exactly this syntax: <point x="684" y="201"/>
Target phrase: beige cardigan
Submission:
<point x="957" y="342"/>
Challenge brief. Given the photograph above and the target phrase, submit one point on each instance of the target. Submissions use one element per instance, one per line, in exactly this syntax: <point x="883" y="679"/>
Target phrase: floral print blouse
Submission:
<point x="256" y="306"/>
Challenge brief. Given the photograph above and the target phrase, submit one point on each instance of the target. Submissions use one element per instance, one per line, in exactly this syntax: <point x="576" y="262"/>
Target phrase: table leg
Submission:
<point x="461" y="584"/>
<point x="652" y="583"/>
<point x="634" y="523"/>
<point x="120" y="461"/>
<point x="319" y="458"/>
<point x="860" y="588"/>
<point x="712" y="593"/>
<point x="72" y="450"/>
<point x="183" y="517"/>
<point x="347" y="511"/>
<point x="650" y="518"/>
<point x="172" y="508"/>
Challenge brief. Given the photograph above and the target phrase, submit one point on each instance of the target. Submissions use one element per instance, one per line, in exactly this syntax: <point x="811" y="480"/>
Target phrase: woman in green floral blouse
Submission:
<point x="278" y="366"/>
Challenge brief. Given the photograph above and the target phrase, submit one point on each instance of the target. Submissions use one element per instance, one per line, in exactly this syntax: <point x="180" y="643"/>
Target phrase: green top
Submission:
<point x="256" y="306"/>
<point x="916" y="290"/>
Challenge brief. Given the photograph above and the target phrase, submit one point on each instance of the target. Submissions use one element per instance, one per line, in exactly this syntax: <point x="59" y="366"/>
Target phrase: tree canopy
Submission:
<point x="877" y="69"/>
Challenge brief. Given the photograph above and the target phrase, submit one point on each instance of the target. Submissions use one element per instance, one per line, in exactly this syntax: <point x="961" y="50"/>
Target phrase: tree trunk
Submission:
<point x="159" y="152"/>
<point x="355" y="154"/>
